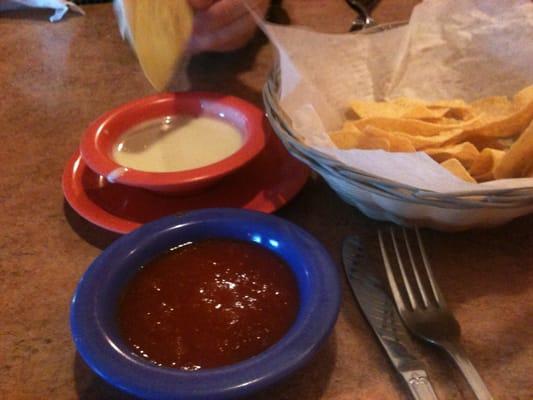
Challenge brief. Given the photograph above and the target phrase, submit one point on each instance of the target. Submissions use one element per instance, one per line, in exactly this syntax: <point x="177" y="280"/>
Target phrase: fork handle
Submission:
<point x="419" y="385"/>
<point x="456" y="351"/>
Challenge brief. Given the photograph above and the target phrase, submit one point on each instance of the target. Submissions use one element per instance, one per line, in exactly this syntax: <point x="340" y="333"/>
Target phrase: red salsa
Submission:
<point x="208" y="304"/>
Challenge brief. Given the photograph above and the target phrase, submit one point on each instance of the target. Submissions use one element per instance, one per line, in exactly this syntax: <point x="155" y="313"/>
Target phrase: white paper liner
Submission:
<point x="449" y="49"/>
<point x="60" y="7"/>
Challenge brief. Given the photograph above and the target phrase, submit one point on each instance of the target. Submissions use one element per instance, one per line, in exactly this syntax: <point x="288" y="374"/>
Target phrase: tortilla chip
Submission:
<point x="356" y="139"/>
<point x="455" y="167"/>
<point x="373" y="143"/>
<point x="523" y="97"/>
<point x="505" y="127"/>
<point x="417" y="109"/>
<point x="159" y="32"/>
<point x="369" y="109"/>
<point x="445" y="121"/>
<point x="457" y="108"/>
<point x="493" y="107"/>
<point x="345" y="139"/>
<point x="518" y="161"/>
<point x="482" y="142"/>
<point x="416" y="142"/>
<point x="485" y="164"/>
<point x="410" y="126"/>
<point x="398" y="143"/>
<point x="452" y="103"/>
<point x="503" y="120"/>
<point x="491" y="138"/>
<point x="466" y="153"/>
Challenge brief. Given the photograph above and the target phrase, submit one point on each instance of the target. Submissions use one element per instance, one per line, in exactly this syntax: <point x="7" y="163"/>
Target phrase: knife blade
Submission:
<point x="382" y="316"/>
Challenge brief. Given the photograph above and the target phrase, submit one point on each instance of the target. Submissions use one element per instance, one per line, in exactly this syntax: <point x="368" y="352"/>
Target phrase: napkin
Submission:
<point x="60" y="7"/>
<point x="449" y="49"/>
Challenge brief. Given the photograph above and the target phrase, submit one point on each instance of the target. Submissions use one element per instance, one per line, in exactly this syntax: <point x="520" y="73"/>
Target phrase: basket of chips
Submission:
<point x="410" y="155"/>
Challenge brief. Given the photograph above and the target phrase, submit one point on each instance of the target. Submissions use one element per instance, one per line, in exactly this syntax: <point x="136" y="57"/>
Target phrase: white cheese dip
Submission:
<point x="171" y="144"/>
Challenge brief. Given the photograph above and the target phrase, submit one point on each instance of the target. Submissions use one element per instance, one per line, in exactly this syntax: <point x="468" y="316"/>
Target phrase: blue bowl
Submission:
<point x="94" y="306"/>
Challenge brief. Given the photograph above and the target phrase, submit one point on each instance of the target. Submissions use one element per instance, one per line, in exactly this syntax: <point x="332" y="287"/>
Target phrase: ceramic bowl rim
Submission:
<point x="96" y="151"/>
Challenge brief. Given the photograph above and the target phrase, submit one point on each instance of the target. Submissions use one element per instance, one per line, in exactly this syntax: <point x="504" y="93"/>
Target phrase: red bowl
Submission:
<point x="98" y="139"/>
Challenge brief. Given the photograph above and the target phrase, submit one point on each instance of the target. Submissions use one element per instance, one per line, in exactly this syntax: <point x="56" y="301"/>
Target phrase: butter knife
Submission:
<point x="382" y="316"/>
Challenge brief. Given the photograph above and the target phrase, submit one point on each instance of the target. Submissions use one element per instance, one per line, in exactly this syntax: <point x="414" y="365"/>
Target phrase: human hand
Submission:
<point x="223" y="25"/>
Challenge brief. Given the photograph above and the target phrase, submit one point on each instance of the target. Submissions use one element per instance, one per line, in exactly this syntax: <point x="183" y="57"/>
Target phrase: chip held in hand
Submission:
<point x="159" y="32"/>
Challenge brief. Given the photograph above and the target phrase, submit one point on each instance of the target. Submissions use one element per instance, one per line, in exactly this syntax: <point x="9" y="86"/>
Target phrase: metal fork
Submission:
<point x="363" y="9"/>
<point x="422" y="308"/>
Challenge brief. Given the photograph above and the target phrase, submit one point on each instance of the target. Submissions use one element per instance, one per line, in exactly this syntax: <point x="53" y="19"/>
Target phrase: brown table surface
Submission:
<point x="56" y="78"/>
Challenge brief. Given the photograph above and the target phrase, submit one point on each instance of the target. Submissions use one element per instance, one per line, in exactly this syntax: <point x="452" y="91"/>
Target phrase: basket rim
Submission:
<point x="489" y="197"/>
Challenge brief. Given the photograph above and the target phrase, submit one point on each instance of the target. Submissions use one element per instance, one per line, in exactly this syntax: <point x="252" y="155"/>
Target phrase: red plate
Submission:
<point x="265" y="184"/>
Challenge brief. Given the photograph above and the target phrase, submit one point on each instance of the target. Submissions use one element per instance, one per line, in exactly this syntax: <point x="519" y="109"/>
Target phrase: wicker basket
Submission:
<point x="387" y="200"/>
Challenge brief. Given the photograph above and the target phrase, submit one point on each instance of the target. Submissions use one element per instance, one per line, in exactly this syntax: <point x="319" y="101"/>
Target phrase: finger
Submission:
<point x="228" y="38"/>
<point x="201" y="4"/>
<point x="225" y="12"/>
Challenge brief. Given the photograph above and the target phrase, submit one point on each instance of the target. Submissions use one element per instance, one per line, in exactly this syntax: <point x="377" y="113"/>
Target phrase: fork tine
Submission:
<point x="436" y="291"/>
<point x="414" y="267"/>
<point x="407" y="284"/>
<point x="390" y="276"/>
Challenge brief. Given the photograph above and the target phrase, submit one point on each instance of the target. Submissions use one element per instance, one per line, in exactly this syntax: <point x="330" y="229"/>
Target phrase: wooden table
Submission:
<point x="56" y="78"/>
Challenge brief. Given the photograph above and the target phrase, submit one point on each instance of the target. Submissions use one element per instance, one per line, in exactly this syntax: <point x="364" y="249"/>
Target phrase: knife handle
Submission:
<point x="419" y="385"/>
